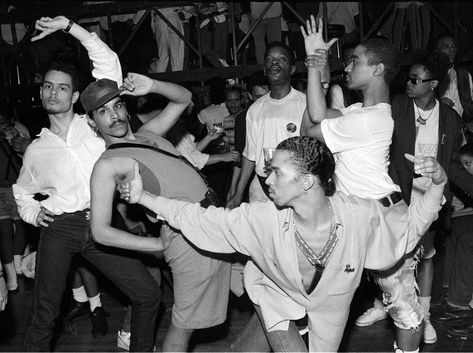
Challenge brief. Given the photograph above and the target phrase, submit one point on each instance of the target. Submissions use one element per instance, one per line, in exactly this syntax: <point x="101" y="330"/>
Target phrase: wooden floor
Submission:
<point x="77" y="337"/>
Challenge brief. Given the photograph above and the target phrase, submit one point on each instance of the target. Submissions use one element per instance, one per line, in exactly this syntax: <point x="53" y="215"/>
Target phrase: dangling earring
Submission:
<point x="128" y="117"/>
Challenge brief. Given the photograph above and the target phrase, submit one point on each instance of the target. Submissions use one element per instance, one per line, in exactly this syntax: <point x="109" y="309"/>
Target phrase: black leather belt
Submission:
<point x="392" y="199"/>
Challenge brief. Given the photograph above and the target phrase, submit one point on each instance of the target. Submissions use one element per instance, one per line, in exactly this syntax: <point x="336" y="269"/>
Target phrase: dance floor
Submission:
<point x="77" y="337"/>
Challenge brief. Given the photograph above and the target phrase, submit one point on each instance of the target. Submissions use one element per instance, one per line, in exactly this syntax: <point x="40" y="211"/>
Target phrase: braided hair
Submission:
<point x="310" y="156"/>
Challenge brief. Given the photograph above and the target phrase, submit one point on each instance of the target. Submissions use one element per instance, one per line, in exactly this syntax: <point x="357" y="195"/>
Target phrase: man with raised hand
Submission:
<point x="59" y="164"/>
<point x="200" y="283"/>
<point x="360" y="137"/>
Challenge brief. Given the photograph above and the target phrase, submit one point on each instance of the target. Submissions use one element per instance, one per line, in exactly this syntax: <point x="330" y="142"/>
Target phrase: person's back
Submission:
<point x="360" y="140"/>
<point x="160" y="170"/>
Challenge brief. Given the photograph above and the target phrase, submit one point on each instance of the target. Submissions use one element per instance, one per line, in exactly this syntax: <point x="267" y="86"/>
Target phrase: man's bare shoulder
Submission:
<point x="115" y="167"/>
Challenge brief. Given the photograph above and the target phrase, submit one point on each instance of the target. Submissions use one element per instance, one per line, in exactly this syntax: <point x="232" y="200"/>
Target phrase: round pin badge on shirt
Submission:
<point x="291" y="127"/>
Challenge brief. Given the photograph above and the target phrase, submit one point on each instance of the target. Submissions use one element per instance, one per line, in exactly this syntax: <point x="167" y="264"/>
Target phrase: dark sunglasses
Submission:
<point x="418" y="81"/>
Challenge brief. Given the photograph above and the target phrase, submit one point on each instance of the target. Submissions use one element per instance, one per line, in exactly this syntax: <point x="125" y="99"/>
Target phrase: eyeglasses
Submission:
<point x="418" y="81"/>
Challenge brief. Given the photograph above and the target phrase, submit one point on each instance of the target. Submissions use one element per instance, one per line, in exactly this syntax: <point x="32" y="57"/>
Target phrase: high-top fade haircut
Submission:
<point x="381" y="51"/>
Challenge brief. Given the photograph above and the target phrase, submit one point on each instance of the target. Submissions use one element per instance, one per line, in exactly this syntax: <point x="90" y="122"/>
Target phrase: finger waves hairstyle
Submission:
<point x="310" y="156"/>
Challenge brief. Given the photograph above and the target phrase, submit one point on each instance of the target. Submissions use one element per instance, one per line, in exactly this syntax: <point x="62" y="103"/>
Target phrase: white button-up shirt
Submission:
<point x="61" y="169"/>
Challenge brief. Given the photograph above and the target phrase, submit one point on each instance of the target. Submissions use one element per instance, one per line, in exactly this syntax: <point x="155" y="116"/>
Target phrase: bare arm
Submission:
<point x="230" y="156"/>
<point x="233" y="185"/>
<point x="247" y="168"/>
<point x="101" y="205"/>
<point x="138" y="85"/>
<point x="318" y="69"/>
<point x="211" y="135"/>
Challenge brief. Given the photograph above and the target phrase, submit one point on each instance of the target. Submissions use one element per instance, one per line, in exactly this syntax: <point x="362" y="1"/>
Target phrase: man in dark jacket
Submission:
<point x="423" y="125"/>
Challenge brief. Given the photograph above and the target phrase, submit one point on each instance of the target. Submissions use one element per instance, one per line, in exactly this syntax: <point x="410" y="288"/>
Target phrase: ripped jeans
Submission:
<point x="400" y="293"/>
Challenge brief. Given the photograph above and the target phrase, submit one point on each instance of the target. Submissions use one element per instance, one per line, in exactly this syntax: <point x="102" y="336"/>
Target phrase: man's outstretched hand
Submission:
<point x="313" y="38"/>
<point x="428" y="167"/>
<point x="48" y="25"/>
<point x="137" y="85"/>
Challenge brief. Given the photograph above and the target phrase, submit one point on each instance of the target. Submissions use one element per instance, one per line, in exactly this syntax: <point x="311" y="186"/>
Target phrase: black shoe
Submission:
<point x="449" y="314"/>
<point x="463" y="330"/>
<point x="99" y="322"/>
<point x="78" y="310"/>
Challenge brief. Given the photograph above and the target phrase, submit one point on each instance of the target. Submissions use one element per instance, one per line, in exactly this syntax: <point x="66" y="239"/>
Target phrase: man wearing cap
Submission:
<point x="59" y="164"/>
<point x="200" y="282"/>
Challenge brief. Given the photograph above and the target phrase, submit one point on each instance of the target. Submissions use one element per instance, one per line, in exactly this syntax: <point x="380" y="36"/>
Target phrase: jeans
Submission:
<point x="461" y="280"/>
<point x="255" y="337"/>
<point x="68" y="235"/>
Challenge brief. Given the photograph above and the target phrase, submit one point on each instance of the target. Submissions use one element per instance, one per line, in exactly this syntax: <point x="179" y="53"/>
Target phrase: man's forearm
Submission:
<point x="316" y="104"/>
<point x="247" y="168"/>
<point x="110" y="236"/>
<point x="433" y="196"/>
<point x="175" y="93"/>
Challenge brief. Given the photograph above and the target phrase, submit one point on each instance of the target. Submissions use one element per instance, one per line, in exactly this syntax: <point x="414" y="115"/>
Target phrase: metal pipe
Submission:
<point x="199" y="44"/>
<point x="135" y="30"/>
<point x="232" y="24"/>
<point x="378" y="22"/>
<point x="165" y="20"/>
<point x="436" y="15"/>
<point x="253" y="26"/>
<point x="290" y="8"/>
<point x="110" y="35"/>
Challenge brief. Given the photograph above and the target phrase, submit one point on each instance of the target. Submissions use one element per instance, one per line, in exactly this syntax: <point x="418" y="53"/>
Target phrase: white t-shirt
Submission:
<point x="427" y="141"/>
<point x="270" y="121"/>
<point x="360" y="141"/>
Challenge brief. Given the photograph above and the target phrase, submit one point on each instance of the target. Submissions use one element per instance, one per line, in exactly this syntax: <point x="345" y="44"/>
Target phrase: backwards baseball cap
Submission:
<point x="98" y="93"/>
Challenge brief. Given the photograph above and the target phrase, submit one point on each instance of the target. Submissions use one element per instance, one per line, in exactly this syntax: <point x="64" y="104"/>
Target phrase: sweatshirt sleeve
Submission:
<point x="213" y="229"/>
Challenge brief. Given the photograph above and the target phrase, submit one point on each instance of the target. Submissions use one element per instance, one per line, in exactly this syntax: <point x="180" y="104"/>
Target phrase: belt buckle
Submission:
<point x="87" y="216"/>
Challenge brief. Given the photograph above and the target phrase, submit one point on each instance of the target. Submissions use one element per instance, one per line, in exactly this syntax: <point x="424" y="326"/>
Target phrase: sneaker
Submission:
<point x="123" y="340"/>
<point x="430" y="335"/>
<point x="370" y="316"/>
<point x="99" y="322"/>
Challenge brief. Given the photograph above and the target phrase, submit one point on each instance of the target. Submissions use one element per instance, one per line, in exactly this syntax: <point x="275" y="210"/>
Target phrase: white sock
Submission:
<point x="378" y="304"/>
<point x="399" y="350"/>
<point x="425" y="303"/>
<point x="79" y="294"/>
<point x="95" y="302"/>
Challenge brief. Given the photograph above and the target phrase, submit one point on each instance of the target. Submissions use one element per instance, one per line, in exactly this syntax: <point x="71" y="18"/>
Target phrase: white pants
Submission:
<point x="170" y="45"/>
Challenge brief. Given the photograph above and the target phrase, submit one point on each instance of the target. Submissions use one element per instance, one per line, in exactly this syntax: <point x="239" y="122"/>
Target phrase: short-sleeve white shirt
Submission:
<point x="270" y="121"/>
<point x="360" y="141"/>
